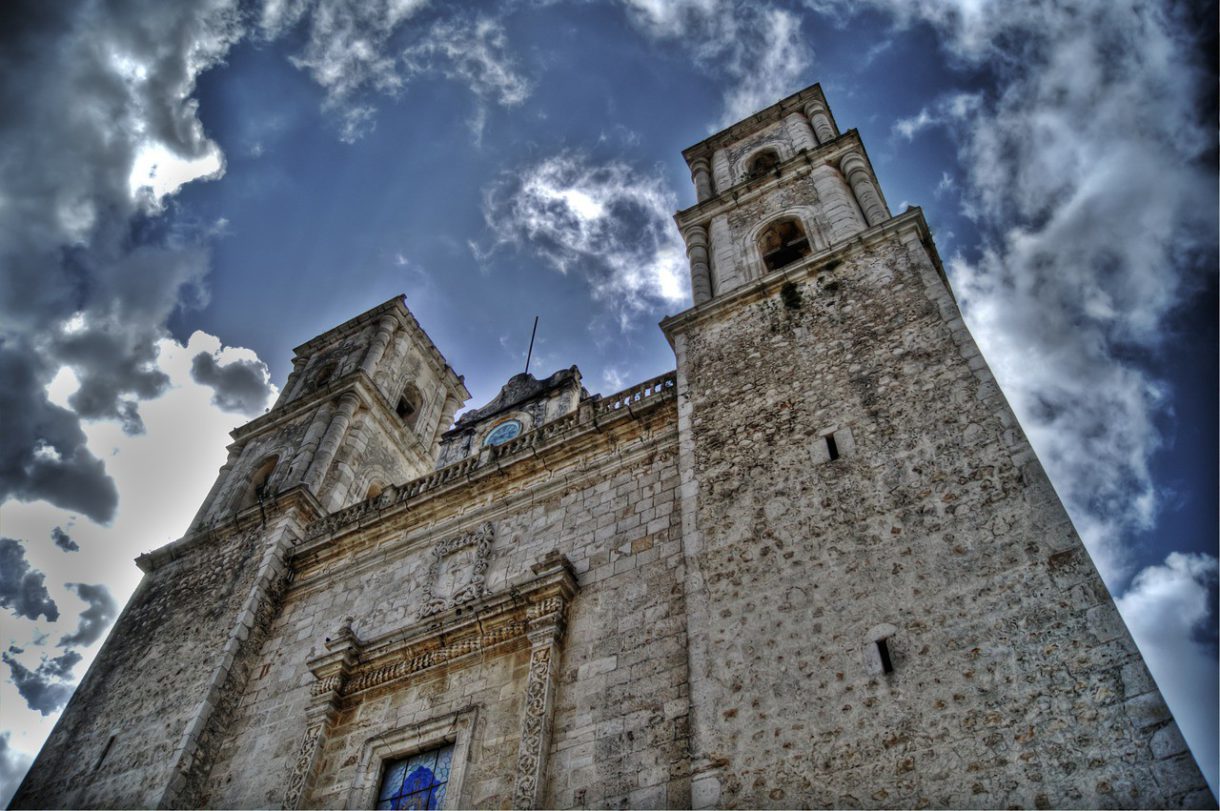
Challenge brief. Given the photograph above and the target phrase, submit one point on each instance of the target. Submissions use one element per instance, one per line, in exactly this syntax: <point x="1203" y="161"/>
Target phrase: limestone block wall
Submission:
<point x="1014" y="681"/>
<point x="606" y="501"/>
<point x="115" y="745"/>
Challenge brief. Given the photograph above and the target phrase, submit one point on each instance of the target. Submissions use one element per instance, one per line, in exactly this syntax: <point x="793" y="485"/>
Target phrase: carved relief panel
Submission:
<point x="458" y="571"/>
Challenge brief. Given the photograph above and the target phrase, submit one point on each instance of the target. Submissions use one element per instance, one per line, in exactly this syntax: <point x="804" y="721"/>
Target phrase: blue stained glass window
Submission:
<point x="503" y="432"/>
<point x="418" y="781"/>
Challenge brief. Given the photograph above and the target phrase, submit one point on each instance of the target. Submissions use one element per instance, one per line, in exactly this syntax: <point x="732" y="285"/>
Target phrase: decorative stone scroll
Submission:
<point x="546" y="623"/>
<point x="458" y="572"/>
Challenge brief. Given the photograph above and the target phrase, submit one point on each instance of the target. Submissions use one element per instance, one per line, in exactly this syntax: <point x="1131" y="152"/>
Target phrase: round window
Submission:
<point x="503" y="432"/>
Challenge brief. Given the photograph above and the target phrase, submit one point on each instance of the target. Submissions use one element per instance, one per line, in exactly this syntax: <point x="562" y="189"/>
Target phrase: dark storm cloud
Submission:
<point x="95" y="619"/>
<point x="22" y="589"/>
<point x="13" y="766"/>
<point x="43" y="688"/>
<point x="83" y="89"/>
<point x="42" y="446"/>
<point x="64" y="541"/>
<point x="242" y="385"/>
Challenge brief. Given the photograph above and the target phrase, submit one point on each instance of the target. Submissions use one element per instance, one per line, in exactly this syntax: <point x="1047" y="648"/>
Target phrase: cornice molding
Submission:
<point x="461" y="634"/>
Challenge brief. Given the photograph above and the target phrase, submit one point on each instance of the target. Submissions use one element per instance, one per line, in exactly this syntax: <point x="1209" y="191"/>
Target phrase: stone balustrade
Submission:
<point x="622" y="405"/>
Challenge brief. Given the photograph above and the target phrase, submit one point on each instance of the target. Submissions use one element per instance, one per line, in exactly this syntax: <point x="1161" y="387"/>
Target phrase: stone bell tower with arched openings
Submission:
<point x="364" y="407"/>
<point x="778" y="186"/>
<point x="887" y="604"/>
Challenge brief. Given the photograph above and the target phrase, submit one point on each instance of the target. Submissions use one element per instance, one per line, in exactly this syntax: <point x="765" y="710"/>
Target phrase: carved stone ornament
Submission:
<point x="532" y="610"/>
<point x="458" y="573"/>
<point x="531" y="753"/>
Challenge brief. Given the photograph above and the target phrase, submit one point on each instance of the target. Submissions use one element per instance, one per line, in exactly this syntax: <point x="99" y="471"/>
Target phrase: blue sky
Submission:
<point x="190" y="190"/>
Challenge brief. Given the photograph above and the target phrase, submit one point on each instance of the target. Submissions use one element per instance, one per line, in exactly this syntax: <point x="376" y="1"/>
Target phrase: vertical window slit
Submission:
<point x="105" y="751"/>
<point x="883" y="649"/>
<point x="832" y="448"/>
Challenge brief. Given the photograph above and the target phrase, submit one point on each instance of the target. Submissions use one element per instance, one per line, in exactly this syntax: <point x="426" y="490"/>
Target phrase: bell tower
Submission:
<point x="775" y="188"/>
<point x="364" y="407"/>
<point x="887" y="605"/>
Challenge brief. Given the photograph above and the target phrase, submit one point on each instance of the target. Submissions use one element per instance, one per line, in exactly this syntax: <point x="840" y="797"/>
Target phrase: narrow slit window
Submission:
<point x="105" y="751"/>
<point x="832" y="447"/>
<point x="883" y="650"/>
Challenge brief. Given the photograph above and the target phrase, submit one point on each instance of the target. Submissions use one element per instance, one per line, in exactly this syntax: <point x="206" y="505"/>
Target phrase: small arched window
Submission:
<point x="408" y="408"/>
<point x="762" y="163"/>
<point x="259" y="488"/>
<point x="782" y="243"/>
<point x="374" y="490"/>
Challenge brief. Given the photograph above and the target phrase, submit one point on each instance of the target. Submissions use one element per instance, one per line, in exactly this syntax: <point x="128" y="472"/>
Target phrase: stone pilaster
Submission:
<point x="545" y="631"/>
<point x="722" y="173"/>
<point x="700" y="263"/>
<point x="331" y="671"/>
<point x="861" y="181"/>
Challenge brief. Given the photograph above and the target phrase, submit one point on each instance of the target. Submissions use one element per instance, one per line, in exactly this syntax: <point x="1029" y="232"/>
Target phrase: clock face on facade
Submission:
<point x="503" y="432"/>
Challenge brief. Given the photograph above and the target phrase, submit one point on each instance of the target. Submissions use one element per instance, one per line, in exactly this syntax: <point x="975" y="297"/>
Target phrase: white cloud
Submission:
<point x="473" y="52"/>
<point x="946" y="185"/>
<point x="758" y="48"/>
<point x="353" y="49"/>
<point x="1167" y="608"/>
<point x="948" y="111"/>
<point x="162" y="171"/>
<point x="608" y="221"/>
<point x="347" y="47"/>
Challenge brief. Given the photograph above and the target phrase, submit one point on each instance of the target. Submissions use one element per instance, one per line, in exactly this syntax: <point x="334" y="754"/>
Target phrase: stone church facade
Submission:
<point x="817" y="565"/>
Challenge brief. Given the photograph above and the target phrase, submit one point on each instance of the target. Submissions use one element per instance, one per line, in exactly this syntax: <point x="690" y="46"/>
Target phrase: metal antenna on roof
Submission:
<point x="530" y="354"/>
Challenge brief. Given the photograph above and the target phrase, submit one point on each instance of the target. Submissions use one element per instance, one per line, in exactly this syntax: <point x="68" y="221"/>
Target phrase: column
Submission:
<point x="545" y="630"/>
<point x="861" y="181"/>
<point x="330" y="442"/>
<point x="700" y="267"/>
<point x="377" y="347"/>
<point x="353" y="444"/>
<point x="451" y="406"/>
<point x="309" y="444"/>
<point x="701" y="174"/>
<point x="800" y="132"/>
<point x="331" y="671"/>
<point x="819" y="118"/>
